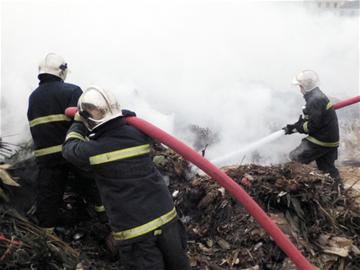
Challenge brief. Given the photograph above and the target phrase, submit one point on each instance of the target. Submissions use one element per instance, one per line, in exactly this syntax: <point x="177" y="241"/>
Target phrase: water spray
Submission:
<point x="238" y="154"/>
<point x="272" y="137"/>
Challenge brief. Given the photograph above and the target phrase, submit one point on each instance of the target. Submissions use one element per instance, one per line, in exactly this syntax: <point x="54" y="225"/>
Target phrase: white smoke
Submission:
<point x="225" y="65"/>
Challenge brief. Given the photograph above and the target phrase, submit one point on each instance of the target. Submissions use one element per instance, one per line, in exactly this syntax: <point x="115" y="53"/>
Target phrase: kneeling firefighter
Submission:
<point x="320" y="123"/>
<point x="139" y="206"/>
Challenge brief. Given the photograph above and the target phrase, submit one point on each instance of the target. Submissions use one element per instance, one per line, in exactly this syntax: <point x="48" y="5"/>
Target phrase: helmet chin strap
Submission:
<point x="84" y="114"/>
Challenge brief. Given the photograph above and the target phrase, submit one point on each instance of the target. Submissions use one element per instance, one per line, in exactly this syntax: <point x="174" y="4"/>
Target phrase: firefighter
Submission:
<point x="48" y="126"/>
<point x="140" y="209"/>
<point x="320" y="123"/>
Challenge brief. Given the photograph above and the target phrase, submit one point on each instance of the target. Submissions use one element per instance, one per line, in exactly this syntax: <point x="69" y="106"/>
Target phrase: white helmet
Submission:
<point x="308" y="79"/>
<point x="55" y="65"/>
<point x="97" y="106"/>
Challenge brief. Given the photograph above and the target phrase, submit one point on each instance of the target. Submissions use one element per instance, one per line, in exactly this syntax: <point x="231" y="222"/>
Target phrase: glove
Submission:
<point x="84" y="114"/>
<point x="289" y="129"/>
<point x="127" y="113"/>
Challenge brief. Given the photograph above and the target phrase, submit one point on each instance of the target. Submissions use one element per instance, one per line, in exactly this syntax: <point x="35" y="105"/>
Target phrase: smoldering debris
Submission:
<point x="23" y="245"/>
<point x="26" y="246"/>
<point x="320" y="218"/>
<point x="77" y="243"/>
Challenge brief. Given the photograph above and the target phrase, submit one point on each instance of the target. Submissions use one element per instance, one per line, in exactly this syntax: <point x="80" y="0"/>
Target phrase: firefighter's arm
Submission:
<point x="76" y="149"/>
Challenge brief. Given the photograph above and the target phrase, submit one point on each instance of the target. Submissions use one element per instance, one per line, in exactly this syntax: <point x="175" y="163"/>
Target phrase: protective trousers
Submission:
<point x="52" y="182"/>
<point x="325" y="157"/>
<point x="164" y="251"/>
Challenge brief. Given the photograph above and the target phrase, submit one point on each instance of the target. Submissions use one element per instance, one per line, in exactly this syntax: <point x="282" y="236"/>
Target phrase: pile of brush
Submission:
<point x="321" y="218"/>
<point x="23" y="245"/>
<point x="26" y="246"/>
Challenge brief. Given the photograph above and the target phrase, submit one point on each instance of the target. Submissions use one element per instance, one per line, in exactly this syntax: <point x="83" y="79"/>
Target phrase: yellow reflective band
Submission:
<point x="74" y="135"/>
<point x="305" y="127"/>
<point x="325" y="144"/>
<point x="77" y="117"/>
<point x="48" y="150"/>
<point x="99" y="208"/>
<point x="329" y="105"/>
<point x="148" y="227"/>
<point x="157" y="232"/>
<point x="49" y="230"/>
<point x="48" y="119"/>
<point x="120" y="154"/>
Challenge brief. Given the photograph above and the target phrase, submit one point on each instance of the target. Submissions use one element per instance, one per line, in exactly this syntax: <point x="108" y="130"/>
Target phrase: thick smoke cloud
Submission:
<point x="221" y="65"/>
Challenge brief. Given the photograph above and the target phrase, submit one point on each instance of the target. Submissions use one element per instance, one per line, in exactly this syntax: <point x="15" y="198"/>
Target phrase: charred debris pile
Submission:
<point x="26" y="246"/>
<point x="320" y="218"/>
<point x="23" y="245"/>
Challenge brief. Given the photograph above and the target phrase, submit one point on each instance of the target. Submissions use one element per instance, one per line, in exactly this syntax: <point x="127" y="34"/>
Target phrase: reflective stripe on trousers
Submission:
<point x="99" y="208"/>
<point x="145" y="228"/>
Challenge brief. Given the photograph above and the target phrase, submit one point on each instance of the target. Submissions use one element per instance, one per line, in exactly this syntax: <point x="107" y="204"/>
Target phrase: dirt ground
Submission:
<point x="351" y="177"/>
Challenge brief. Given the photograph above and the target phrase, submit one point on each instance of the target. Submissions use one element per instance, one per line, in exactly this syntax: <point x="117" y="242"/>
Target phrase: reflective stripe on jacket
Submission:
<point x="47" y="121"/>
<point x="320" y="121"/>
<point x="135" y="196"/>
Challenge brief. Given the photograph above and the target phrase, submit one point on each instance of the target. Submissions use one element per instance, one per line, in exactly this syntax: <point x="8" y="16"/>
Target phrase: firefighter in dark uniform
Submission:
<point x="139" y="206"/>
<point x="320" y="123"/>
<point x="48" y="126"/>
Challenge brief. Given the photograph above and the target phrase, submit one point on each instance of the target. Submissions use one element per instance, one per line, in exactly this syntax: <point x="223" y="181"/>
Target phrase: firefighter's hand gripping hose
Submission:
<point x="230" y="185"/>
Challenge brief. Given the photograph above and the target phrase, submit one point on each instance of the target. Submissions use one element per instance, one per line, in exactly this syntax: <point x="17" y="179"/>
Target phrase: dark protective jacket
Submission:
<point x="48" y="123"/>
<point x="320" y="120"/>
<point x="135" y="196"/>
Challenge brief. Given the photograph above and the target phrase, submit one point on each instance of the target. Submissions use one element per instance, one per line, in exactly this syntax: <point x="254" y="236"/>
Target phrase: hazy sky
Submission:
<point x="225" y="65"/>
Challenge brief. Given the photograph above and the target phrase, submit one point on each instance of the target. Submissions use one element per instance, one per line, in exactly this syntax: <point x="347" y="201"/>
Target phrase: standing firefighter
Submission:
<point x="48" y="126"/>
<point x="141" y="212"/>
<point x="320" y="123"/>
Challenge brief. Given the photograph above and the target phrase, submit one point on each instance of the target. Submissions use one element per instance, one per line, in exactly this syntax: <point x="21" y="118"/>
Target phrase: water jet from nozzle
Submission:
<point x="251" y="147"/>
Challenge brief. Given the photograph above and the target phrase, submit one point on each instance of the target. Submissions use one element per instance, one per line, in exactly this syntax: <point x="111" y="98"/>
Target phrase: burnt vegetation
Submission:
<point x="320" y="218"/>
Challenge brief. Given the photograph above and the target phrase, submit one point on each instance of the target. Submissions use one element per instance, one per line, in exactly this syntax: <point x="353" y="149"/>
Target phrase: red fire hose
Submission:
<point x="346" y="102"/>
<point x="230" y="185"/>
